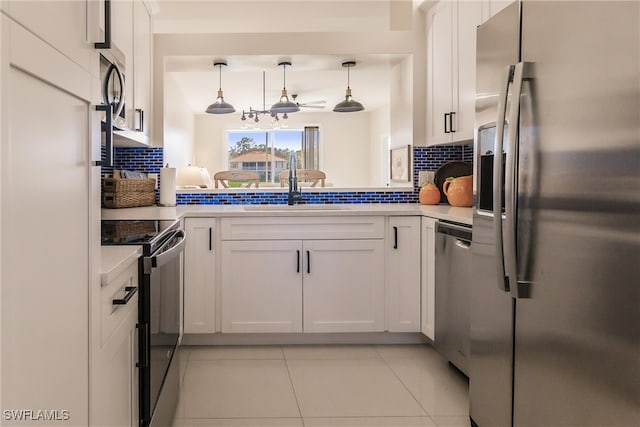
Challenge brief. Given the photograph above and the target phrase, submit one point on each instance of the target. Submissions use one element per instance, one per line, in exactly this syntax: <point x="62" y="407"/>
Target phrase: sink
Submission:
<point x="285" y="208"/>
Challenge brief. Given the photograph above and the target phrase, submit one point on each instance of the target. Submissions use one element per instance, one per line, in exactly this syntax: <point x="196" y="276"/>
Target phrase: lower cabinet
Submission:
<point x="114" y="378"/>
<point x="199" y="276"/>
<point x="428" y="276"/>
<point x="403" y="255"/>
<point x="303" y="285"/>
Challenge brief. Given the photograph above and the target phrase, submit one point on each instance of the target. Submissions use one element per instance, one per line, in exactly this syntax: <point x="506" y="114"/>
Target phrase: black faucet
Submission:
<point x="294" y="192"/>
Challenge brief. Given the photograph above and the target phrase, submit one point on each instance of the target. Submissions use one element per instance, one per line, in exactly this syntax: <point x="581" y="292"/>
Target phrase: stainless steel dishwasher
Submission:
<point x="453" y="276"/>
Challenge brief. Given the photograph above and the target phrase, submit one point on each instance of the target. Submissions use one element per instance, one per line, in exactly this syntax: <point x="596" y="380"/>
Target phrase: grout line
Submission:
<point x="405" y="386"/>
<point x="295" y="395"/>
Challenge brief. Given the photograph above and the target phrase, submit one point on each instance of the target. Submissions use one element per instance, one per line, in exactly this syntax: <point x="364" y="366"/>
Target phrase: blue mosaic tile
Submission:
<point x="150" y="160"/>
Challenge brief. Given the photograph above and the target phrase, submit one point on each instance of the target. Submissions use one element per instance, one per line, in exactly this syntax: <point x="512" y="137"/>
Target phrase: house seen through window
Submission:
<point x="267" y="151"/>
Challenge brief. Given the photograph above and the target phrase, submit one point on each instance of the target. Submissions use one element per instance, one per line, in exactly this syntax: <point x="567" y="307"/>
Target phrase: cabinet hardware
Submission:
<point x="140" y="127"/>
<point x="451" y="129"/>
<point x="106" y="44"/>
<point x="308" y="262"/>
<point x="108" y="109"/>
<point x="210" y="238"/>
<point x="395" y="237"/>
<point x="445" y="123"/>
<point x="130" y="291"/>
<point x="298" y="257"/>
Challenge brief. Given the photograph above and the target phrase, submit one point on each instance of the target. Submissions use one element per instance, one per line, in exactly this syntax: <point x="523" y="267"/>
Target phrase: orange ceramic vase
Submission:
<point x="429" y="194"/>
<point x="459" y="191"/>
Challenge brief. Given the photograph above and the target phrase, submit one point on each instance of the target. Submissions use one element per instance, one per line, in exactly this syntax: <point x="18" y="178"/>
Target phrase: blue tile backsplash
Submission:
<point x="150" y="160"/>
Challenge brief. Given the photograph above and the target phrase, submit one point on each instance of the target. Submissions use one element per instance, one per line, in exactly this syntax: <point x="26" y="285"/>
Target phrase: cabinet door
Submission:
<point x="115" y="388"/>
<point x="403" y="249"/>
<point x="428" y="276"/>
<point x="440" y="71"/>
<point x="261" y="286"/>
<point x="141" y="105"/>
<point x="199" y="276"/>
<point x="46" y="222"/>
<point x="62" y="24"/>
<point x="122" y="30"/>
<point x="343" y="285"/>
<point x="469" y="16"/>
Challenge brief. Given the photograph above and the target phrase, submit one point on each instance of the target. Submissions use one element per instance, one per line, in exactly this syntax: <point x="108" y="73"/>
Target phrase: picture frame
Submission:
<point x="400" y="164"/>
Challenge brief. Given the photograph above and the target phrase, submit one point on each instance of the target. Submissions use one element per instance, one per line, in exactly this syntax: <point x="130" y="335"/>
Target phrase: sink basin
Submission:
<point x="285" y="208"/>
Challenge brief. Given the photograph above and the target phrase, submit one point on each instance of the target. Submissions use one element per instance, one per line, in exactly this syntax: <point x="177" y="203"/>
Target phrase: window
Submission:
<point x="267" y="151"/>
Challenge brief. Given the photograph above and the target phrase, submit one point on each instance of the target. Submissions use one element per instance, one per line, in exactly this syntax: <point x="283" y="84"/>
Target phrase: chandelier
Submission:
<point x="277" y="114"/>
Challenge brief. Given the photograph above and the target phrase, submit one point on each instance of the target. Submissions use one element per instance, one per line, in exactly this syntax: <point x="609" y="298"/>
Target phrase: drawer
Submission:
<point x="112" y="315"/>
<point x="288" y="228"/>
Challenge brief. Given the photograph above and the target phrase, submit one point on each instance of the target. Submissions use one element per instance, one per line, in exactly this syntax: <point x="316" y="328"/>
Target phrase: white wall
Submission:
<point x="379" y="158"/>
<point x="178" y="126"/>
<point x="345" y="143"/>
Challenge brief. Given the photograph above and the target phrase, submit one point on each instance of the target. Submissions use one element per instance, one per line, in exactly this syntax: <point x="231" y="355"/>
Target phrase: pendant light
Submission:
<point x="220" y="106"/>
<point x="348" y="105"/>
<point x="284" y="105"/>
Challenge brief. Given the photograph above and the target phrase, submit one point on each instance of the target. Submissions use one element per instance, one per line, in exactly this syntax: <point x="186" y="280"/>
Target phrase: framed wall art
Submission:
<point x="400" y="162"/>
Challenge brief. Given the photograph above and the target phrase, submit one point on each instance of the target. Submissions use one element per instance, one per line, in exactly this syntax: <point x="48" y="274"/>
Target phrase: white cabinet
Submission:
<point x="261" y="286"/>
<point x="491" y="7"/>
<point x="122" y="29"/>
<point x="451" y="45"/>
<point x="428" y="280"/>
<point x="114" y="376"/>
<point x="50" y="227"/>
<point x="140" y="107"/>
<point x="343" y="285"/>
<point x="199" y="276"/>
<point x="403" y="264"/>
<point x="275" y="272"/>
<point x="62" y="24"/>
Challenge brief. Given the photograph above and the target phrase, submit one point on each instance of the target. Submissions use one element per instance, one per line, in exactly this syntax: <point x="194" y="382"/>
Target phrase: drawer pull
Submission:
<point x="131" y="290"/>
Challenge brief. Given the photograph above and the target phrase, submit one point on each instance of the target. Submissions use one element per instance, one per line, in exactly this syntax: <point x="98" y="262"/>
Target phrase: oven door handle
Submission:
<point x="165" y="256"/>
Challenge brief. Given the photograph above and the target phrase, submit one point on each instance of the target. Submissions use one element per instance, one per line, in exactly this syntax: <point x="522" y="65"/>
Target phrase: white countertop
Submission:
<point x="445" y="212"/>
<point x="115" y="259"/>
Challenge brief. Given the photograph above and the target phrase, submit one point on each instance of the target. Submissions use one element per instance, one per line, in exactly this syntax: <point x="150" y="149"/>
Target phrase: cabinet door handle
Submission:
<point x="210" y="239"/>
<point x="451" y="129"/>
<point x="308" y="262"/>
<point x="298" y="262"/>
<point x="106" y="44"/>
<point x="140" y="127"/>
<point x="108" y="109"/>
<point x="445" y="123"/>
<point x="130" y="292"/>
<point x="395" y="237"/>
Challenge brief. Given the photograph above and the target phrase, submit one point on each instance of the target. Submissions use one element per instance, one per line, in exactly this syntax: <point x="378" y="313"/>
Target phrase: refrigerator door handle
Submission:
<point x="518" y="290"/>
<point x="503" y="283"/>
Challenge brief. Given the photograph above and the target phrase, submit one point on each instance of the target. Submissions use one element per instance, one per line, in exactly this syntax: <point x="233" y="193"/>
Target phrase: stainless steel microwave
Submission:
<point x="112" y="74"/>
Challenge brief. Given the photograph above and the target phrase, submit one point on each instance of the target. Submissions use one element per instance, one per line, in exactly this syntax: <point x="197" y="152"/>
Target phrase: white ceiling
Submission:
<point x="311" y="77"/>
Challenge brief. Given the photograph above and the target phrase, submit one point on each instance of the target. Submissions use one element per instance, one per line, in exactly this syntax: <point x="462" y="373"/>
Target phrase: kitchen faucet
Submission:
<point x="294" y="192"/>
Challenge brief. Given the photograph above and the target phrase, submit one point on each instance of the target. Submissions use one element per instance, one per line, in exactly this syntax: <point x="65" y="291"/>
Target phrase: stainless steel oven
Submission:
<point x="160" y="269"/>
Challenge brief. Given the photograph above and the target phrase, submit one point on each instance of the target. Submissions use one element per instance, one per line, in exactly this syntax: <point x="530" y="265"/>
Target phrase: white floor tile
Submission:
<point x="452" y="421"/>
<point x="238" y="422"/>
<point x="370" y="422"/>
<point x="237" y="388"/>
<point x="440" y="389"/>
<point x="235" y="352"/>
<point x="350" y="388"/>
<point x="330" y="352"/>
<point x="406" y="351"/>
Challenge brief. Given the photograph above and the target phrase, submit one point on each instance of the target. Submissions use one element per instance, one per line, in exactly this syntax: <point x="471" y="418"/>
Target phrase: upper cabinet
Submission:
<point x="142" y="75"/>
<point x="491" y="7"/>
<point x="451" y="45"/>
<point x="62" y="24"/>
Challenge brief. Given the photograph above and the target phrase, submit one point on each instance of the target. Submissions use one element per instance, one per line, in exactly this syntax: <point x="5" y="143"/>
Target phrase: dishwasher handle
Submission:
<point x="462" y="233"/>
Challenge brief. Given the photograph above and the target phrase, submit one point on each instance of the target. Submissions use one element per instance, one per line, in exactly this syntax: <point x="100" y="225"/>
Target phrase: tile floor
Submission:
<point x="320" y="386"/>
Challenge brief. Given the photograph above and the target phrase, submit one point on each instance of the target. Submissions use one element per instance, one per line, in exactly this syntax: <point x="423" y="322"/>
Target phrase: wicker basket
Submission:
<point x="123" y="231"/>
<point x="128" y="193"/>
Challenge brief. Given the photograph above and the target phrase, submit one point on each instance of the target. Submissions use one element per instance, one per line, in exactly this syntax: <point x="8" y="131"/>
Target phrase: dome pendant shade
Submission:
<point x="220" y="106"/>
<point x="349" y="105"/>
<point x="284" y="105"/>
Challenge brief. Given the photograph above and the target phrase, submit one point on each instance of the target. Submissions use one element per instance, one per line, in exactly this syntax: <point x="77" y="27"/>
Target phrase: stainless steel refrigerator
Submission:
<point x="555" y="306"/>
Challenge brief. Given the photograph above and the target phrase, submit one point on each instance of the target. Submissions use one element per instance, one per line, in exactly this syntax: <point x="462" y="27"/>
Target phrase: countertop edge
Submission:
<point x="116" y="259"/>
